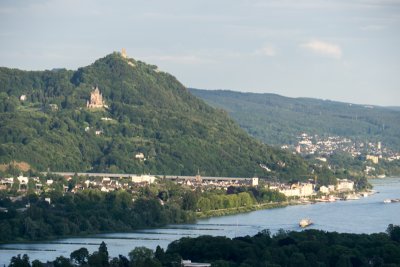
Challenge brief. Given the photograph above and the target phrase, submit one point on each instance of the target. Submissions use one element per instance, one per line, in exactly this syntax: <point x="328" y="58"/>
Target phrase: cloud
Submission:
<point x="267" y="50"/>
<point x="324" y="48"/>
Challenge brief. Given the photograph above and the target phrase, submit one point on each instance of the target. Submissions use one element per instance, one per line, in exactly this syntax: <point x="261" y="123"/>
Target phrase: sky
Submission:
<point x="344" y="50"/>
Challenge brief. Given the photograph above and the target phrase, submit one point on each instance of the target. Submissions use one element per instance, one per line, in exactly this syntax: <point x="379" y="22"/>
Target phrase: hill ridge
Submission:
<point x="278" y="120"/>
<point x="149" y="112"/>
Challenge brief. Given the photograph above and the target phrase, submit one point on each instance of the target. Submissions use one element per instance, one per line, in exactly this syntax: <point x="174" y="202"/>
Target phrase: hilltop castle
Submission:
<point x="96" y="99"/>
<point x="123" y="53"/>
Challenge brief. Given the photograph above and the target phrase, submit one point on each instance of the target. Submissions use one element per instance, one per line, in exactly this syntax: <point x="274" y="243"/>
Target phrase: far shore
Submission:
<point x="201" y="215"/>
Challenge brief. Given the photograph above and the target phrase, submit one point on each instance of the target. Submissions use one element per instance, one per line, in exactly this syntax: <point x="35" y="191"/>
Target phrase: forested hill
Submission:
<point x="44" y="121"/>
<point x="277" y="120"/>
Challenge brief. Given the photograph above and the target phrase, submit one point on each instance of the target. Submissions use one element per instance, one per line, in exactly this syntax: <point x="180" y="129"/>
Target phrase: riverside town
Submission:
<point x="299" y="192"/>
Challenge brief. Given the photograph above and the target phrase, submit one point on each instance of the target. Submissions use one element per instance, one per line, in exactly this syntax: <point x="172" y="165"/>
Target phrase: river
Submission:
<point x="366" y="215"/>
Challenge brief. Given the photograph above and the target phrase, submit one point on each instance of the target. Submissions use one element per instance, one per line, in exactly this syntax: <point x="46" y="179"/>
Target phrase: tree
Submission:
<point x="37" y="263"/>
<point x="99" y="258"/>
<point x="17" y="261"/>
<point x="245" y="199"/>
<point x="103" y="253"/>
<point x="394" y="232"/>
<point x="121" y="261"/>
<point x="344" y="261"/>
<point x="80" y="256"/>
<point x="143" y="257"/>
<point x="189" y="200"/>
<point x="159" y="254"/>
<point x="204" y="204"/>
<point x="62" y="261"/>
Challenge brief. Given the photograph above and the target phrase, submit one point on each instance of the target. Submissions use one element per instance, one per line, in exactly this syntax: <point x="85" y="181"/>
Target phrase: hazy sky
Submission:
<point x="346" y="50"/>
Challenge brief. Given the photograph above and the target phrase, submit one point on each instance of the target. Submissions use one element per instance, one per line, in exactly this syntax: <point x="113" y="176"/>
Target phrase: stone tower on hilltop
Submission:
<point x="96" y="99"/>
<point x="123" y="53"/>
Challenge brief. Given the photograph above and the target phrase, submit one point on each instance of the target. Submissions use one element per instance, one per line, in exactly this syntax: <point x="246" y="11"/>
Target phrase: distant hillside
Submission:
<point x="277" y="120"/>
<point x="394" y="108"/>
<point x="44" y="122"/>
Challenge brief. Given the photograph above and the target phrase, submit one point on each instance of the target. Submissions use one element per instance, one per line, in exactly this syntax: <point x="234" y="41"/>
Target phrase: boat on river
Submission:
<point x="305" y="222"/>
<point x="391" y="200"/>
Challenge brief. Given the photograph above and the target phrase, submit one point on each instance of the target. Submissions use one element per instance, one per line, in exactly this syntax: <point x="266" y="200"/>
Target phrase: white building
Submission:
<point x="139" y="156"/>
<point x="290" y="192"/>
<point x="143" y="179"/>
<point x="106" y="180"/>
<point x="22" y="180"/>
<point x="374" y="159"/>
<point x="368" y="169"/>
<point x="345" y="185"/>
<point x="327" y="189"/>
<point x="324" y="190"/>
<point x="104" y="189"/>
<point x="306" y="190"/>
<point x="254" y="181"/>
<point x="298" y="190"/>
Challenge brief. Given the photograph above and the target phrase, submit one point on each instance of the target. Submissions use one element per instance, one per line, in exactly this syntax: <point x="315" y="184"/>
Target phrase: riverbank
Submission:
<point x="200" y="215"/>
<point x="197" y="216"/>
<point x="265" y="206"/>
<point x="232" y="211"/>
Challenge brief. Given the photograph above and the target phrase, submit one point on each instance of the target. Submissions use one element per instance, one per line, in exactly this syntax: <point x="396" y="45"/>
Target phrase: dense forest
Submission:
<point x="44" y="122"/>
<point x="278" y="120"/>
<point x="297" y="249"/>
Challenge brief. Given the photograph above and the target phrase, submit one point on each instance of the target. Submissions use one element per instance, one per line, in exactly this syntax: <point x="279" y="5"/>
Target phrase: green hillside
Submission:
<point x="277" y="120"/>
<point x="148" y="112"/>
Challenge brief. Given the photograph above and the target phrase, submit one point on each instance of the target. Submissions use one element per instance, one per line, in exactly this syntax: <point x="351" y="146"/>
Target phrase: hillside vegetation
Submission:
<point x="148" y="112"/>
<point x="278" y="120"/>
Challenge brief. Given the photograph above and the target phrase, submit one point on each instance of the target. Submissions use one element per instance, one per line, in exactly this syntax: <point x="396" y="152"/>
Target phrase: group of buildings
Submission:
<point x="325" y="146"/>
<point x="308" y="189"/>
<point x="111" y="182"/>
<point x="107" y="182"/>
<point x="316" y="145"/>
<point x="23" y="183"/>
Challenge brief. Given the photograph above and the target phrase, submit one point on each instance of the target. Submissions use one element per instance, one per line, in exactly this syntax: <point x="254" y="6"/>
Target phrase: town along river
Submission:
<point x="366" y="215"/>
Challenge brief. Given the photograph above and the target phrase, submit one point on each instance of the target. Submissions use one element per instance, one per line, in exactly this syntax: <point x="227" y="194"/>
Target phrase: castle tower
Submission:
<point x="123" y="53"/>
<point x="96" y="99"/>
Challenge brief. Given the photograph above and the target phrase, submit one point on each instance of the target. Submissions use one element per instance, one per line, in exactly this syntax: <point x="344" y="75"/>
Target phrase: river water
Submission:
<point x="366" y="215"/>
